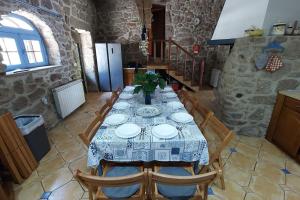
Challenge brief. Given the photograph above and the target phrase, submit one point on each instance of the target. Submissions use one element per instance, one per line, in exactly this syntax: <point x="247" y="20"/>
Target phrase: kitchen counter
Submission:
<point x="291" y="93"/>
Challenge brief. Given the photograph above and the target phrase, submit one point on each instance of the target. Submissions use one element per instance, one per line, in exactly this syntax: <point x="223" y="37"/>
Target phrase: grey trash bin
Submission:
<point x="34" y="132"/>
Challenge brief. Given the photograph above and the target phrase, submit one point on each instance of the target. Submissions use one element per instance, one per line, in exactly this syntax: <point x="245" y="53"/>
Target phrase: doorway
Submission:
<point x="158" y="24"/>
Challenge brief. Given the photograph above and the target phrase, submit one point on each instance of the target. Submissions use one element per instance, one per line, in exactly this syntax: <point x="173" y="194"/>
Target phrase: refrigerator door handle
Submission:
<point x="112" y="50"/>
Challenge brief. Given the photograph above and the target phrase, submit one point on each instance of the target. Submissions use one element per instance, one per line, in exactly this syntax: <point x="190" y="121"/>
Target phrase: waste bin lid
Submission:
<point x="27" y="123"/>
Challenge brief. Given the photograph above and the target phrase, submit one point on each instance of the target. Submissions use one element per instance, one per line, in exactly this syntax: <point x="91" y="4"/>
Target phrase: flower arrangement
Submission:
<point x="147" y="82"/>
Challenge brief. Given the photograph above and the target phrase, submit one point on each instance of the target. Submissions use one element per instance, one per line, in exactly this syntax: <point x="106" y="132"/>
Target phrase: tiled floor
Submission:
<point x="254" y="168"/>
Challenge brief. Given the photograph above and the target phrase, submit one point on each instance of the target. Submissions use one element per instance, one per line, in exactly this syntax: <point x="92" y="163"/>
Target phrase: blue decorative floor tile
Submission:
<point x="45" y="195"/>
<point x="233" y="150"/>
<point x="285" y="171"/>
<point x="210" y="191"/>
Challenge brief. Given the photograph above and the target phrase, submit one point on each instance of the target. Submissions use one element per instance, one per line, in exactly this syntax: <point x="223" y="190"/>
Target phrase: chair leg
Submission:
<point x="222" y="174"/>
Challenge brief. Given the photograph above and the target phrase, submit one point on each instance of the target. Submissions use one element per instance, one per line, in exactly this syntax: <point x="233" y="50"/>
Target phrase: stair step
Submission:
<point x="184" y="82"/>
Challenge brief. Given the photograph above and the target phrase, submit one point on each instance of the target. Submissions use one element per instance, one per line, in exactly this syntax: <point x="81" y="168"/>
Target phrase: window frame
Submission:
<point x="19" y="35"/>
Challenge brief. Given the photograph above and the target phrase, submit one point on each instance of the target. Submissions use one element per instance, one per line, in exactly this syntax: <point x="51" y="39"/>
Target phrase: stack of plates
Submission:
<point x="167" y="89"/>
<point x="116" y="119"/>
<point x="121" y="105"/>
<point x="175" y="105"/>
<point x="128" y="130"/>
<point x="148" y="111"/>
<point x="129" y="88"/>
<point x="164" y="131"/>
<point x="170" y="95"/>
<point x="182" y="117"/>
<point x="125" y="96"/>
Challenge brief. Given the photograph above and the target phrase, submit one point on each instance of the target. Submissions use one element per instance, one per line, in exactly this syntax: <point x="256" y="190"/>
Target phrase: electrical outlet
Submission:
<point x="45" y="100"/>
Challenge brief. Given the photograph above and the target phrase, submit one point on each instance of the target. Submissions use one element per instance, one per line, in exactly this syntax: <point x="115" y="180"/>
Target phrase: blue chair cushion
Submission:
<point x="176" y="192"/>
<point x="124" y="191"/>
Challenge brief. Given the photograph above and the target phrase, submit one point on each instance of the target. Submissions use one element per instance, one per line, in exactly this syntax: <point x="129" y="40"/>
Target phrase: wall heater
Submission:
<point x="68" y="97"/>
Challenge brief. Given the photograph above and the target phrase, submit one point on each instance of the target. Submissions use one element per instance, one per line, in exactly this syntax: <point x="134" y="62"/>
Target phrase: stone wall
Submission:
<point x="246" y="95"/>
<point x="119" y="21"/>
<point x="22" y="93"/>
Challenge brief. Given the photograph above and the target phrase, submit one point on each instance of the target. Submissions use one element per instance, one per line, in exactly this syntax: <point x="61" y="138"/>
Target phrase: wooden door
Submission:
<point x="287" y="134"/>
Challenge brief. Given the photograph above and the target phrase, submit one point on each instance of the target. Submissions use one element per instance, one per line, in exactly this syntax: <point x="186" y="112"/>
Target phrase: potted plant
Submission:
<point x="147" y="82"/>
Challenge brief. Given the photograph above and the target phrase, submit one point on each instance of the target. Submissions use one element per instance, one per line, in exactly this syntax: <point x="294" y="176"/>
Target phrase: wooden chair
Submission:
<point x="115" y="187"/>
<point x="177" y="182"/>
<point x="218" y="136"/>
<point x="105" y="109"/>
<point x="91" y="130"/>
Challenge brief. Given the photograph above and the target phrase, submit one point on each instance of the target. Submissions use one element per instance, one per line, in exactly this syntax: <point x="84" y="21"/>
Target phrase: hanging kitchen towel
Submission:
<point x="261" y="61"/>
<point x="274" y="63"/>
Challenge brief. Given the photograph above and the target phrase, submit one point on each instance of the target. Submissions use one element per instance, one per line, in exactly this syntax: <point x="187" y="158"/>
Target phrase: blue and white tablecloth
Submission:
<point x="190" y="148"/>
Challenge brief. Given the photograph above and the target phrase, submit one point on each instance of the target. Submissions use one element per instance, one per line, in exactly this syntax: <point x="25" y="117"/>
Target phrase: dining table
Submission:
<point x="189" y="145"/>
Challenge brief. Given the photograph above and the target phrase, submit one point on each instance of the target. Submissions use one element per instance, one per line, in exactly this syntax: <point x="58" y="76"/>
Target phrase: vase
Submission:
<point x="148" y="99"/>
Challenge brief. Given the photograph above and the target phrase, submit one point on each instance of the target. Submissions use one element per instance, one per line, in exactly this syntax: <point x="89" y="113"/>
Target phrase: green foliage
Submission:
<point x="147" y="82"/>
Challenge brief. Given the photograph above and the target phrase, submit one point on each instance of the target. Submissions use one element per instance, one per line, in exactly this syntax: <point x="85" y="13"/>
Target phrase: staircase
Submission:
<point x="177" y="61"/>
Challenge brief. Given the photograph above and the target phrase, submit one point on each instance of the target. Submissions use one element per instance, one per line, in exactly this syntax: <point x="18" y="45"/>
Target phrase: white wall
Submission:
<point x="239" y="15"/>
<point x="286" y="11"/>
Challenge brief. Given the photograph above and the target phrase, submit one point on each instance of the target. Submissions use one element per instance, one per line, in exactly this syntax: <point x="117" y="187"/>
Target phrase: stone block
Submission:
<point x="19" y="87"/>
<point x="47" y="4"/>
<point x="258" y="114"/>
<point x="20" y="103"/>
<point x="55" y="77"/>
<point x="288" y="84"/>
<point x="37" y="94"/>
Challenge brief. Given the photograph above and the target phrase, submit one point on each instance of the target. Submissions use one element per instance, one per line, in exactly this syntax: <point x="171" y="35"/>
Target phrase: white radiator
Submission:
<point x="68" y="97"/>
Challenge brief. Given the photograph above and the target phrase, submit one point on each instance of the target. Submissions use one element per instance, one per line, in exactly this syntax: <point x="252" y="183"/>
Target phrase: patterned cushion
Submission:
<point x="176" y="192"/>
<point x="124" y="191"/>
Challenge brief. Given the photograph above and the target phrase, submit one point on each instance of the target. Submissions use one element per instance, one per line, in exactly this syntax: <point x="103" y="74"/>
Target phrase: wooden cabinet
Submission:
<point x="129" y="75"/>
<point x="284" y="128"/>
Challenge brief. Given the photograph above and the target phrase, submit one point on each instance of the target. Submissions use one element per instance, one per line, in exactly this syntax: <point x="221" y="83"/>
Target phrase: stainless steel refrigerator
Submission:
<point x="110" y="68"/>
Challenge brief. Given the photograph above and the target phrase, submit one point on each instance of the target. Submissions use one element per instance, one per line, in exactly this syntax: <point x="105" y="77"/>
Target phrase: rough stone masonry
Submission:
<point x="246" y="96"/>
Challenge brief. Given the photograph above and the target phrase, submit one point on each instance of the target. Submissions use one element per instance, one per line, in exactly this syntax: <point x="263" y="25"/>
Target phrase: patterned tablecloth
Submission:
<point x="190" y="147"/>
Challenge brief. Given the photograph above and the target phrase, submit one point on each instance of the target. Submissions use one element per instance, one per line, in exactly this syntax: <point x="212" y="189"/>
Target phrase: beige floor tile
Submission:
<point x="251" y="141"/>
<point x="80" y="164"/>
<point x="252" y="196"/>
<point x="70" y="191"/>
<point x="73" y="154"/>
<point x="214" y="197"/>
<point x="289" y="195"/>
<point x="293" y="182"/>
<point x="50" y="155"/>
<point x="269" y="157"/>
<point x="270" y="171"/>
<point x="232" y="192"/>
<point x="272" y="149"/>
<point x="34" y="177"/>
<point x="31" y="191"/>
<point x="237" y="175"/>
<point x="241" y="161"/>
<point x="247" y="150"/>
<point x="68" y="145"/>
<point x="57" y="179"/>
<point x="293" y="167"/>
<point x="266" y="189"/>
<point x="50" y="166"/>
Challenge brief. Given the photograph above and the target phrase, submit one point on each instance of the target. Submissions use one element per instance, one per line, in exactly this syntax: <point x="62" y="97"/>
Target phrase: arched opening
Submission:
<point x="48" y="44"/>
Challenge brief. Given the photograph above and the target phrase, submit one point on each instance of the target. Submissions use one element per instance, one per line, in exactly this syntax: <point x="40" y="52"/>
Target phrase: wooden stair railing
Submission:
<point x="180" y="56"/>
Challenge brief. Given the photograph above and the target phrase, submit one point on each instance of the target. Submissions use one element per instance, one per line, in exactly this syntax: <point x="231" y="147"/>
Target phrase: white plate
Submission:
<point x="125" y="96"/>
<point x="121" y="105"/>
<point x="128" y="130"/>
<point x="167" y="89"/>
<point x="175" y="105"/>
<point x="182" y="117"/>
<point x="148" y="111"/>
<point x="164" y="131"/>
<point x="129" y="88"/>
<point x="170" y="95"/>
<point x="116" y="119"/>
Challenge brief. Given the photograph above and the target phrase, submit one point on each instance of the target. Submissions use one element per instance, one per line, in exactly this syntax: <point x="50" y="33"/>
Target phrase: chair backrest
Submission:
<point x="91" y="130"/>
<point x="202" y="181"/>
<point x="218" y="136"/>
<point x="91" y="181"/>
<point x="105" y="109"/>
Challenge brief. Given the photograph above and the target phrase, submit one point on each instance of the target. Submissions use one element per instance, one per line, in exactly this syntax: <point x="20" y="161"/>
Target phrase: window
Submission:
<point x="21" y="45"/>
